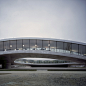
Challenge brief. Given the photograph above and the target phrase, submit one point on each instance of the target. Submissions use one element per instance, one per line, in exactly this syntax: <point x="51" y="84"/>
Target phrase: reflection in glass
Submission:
<point x="80" y="49"/>
<point x="1" y="46"/>
<point x="39" y="44"/>
<point x="33" y="44"/>
<point x="75" y="49"/>
<point x="60" y="47"/>
<point x="46" y="45"/>
<point x="6" y="45"/>
<point x="19" y="44"/>
<point x="53" y="46"/>
<point x="25" y="44"/>
<point x="83" y="50"/>
<point x="12" y="45"/>
<point x="67" y="47"/>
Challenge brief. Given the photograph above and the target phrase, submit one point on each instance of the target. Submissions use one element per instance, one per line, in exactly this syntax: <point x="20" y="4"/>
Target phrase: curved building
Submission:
<point x="14" y="48"/>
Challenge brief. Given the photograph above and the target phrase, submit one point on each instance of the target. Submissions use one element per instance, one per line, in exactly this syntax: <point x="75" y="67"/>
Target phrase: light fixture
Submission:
<point x="35" y="45"/>
<point x="23" y="45"/>
<point x="48" y="44"/>
<point x="10" y="45"/>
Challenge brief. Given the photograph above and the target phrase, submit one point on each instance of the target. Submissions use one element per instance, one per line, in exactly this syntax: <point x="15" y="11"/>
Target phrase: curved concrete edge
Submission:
<point x="42" y="52"/>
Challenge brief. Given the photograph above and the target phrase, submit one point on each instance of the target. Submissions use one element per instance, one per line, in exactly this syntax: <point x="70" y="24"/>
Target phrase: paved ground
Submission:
<point x="42" y="78"/>
<point x="48" y="68"/>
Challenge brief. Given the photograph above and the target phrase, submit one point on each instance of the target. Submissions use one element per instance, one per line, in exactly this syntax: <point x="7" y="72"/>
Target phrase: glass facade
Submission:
<point x="83" y="50"/>
<point x="1" y="46"/>
<point x="37" y="44"/>
<point x="60" y="47"/>
<point x="19" y="45"/>
<point x="33" y="44"/>
<point x="26" y="44"/>
<point x="46" y="45"/>
<point x="67" y="47"/>
<point x="75" y="49"/>
<point x="80" y="49"/>
<point x="53" y="46"/>
<point x="6" y="45"/>
<point x="12" y="45"/>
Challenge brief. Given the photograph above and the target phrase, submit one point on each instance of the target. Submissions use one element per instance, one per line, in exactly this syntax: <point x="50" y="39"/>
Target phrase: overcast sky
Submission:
<point x="61" y="19"/>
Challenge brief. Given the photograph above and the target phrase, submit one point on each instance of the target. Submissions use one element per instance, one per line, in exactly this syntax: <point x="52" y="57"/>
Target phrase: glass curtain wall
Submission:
<point x="46" y="45"/>
<point x="53" y="46"/>
<point x="67" y="47"/>
<point x="19" y="45"/>
<point x="75" y="49"/>
<point x="83" y="50"/>
<point x="39" y="45"/>
<point x="36" y="44"/>
<point x="33" y="44"/>
<point x="1" y="46"/>
<point x="26" y="44"/>
<point x="12" y="45"/>
<point x="6" y="45"/>
<point x="60" y="46"/>
<point x="80" y="49"/>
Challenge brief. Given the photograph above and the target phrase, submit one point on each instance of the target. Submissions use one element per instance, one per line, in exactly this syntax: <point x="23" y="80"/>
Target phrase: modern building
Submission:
<point x="14" y="48"/>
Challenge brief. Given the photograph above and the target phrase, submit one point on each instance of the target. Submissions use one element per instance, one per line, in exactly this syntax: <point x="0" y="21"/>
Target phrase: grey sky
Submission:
<point x="65" y="19"/>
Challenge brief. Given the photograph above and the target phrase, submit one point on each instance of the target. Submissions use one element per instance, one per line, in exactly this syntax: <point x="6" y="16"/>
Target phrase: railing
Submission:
<point x="53" y="50"/>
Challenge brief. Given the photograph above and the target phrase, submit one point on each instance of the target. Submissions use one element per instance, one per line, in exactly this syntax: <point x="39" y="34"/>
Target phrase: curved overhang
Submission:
<point x="43" y="54"/>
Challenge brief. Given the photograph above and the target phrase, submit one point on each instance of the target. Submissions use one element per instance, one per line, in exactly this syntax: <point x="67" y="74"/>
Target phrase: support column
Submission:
<point x="6" y="62"/>
<point x="12" y="62"/>
<point x="6" y="65"/>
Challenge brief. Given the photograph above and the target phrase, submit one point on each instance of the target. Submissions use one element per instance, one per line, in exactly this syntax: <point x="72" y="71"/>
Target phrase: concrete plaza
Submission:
<point x="42" y="78"/>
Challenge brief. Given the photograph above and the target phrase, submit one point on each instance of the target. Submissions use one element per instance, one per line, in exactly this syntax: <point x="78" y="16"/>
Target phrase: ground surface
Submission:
<point x="42" y="78"/>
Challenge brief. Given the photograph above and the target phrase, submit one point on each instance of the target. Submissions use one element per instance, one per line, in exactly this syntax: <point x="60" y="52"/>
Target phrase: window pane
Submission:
<point x="67" y="47"/>
<point x="1" y="46"/>
<point x="80" y="49"/>
<point x="53" y="46"/>
<point x="83" y="51"/>
<point x="26" y="44"/>
<point x="6" y="45"/>
<point x="59" y="46"/>
<point x="19" y="44"/>
<point x="75" y="49"/>
<point x="39" y="44"/>
<point x="33" y="44"/>
<point x="46" y="45"/>
<point x="13" y="45"/>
